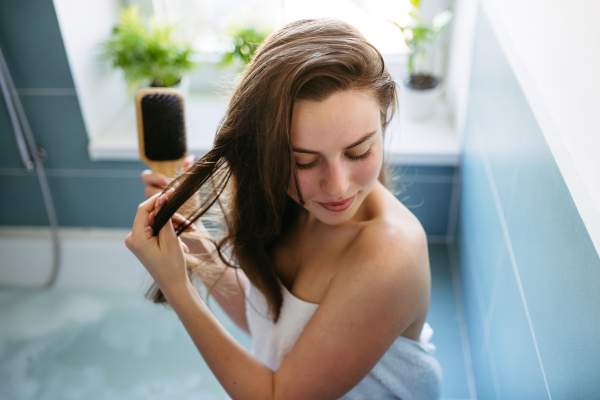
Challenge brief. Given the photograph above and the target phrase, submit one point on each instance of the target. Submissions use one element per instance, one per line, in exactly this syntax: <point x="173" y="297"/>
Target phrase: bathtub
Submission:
<point x="94" y="335"/>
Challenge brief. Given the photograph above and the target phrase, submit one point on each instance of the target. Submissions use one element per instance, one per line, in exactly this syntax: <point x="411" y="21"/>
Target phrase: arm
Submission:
<point x="230" y="292"/>
<point x="240" y="373"/>
<point x="371" y="302"/>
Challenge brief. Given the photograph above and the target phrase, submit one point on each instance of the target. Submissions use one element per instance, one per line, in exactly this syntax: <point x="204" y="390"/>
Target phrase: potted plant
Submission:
<point x="422" y="87"/>
<point x="149" y="54"/>
<point x="244" y="42"/>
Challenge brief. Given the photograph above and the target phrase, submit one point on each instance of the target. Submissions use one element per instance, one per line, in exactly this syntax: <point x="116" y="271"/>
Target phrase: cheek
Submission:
<point x="364" y="173"/>
<point x="367" y="171"/>
<point x="307" y="181"/>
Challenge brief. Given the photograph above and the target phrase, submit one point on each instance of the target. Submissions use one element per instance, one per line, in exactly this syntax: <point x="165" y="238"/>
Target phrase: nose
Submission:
<point x="336" y="180"/>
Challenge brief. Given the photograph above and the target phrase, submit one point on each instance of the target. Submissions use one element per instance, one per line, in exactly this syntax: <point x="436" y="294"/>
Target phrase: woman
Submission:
<point x="329" y="272"/>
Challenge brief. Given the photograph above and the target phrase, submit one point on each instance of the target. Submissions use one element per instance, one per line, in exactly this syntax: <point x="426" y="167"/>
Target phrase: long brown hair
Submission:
<point x="252" y="155"/>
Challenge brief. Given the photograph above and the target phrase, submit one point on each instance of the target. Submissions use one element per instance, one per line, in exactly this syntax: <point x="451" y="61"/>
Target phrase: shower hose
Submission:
<point x="31" y="158"/>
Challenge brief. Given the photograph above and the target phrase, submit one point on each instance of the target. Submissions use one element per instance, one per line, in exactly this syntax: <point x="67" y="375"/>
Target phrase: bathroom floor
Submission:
<point x="107" y="344"/>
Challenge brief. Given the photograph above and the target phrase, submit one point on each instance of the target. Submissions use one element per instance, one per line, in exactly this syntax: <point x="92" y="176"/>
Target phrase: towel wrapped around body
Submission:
<point x="408" y="370"/>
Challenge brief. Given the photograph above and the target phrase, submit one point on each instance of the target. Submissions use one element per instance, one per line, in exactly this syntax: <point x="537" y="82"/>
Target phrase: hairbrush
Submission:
<point x="161" y="129"/>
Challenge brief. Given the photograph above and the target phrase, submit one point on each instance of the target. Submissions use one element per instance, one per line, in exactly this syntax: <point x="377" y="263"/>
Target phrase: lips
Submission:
<point x="338" y="206"/>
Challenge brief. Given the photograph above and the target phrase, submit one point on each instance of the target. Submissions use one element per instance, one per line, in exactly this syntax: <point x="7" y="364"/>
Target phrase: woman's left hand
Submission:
<point x="161" y="255"/>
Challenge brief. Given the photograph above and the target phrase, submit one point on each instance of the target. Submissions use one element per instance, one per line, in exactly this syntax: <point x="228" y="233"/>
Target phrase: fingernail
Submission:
<point x="161" y="200"/>
<point x="166" y="181"/>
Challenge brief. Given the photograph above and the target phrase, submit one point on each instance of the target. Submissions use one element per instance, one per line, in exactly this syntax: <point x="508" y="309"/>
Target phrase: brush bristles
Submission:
<point x="164" y="127"/>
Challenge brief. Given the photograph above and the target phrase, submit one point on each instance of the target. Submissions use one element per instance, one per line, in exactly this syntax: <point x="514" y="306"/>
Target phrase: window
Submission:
<point x="108" y="107"/>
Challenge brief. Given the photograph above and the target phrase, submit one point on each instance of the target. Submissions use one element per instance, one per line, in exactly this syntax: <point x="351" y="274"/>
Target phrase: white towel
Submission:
<point x="408" y="370"/>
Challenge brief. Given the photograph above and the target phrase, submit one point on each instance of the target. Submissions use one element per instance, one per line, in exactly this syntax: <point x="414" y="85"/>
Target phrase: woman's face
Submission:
<point x="338" y="150"/>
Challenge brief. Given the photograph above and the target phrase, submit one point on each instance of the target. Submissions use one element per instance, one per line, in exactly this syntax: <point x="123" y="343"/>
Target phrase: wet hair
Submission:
<point x="252" y="159"/>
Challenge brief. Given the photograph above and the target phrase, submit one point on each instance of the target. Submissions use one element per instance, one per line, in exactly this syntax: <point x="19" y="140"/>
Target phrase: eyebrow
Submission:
<point x="359" y="141"/>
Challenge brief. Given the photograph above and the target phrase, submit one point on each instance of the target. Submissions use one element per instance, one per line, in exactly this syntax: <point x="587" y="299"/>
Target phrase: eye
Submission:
<point x="306" y="166"/>
<point x="360" y="157"/>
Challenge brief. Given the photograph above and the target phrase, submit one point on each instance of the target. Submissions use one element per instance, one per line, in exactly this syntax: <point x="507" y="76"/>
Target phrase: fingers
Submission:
<point x="128" y="241"/>
<point x="183" y="245"/>
<point x="142" y="218"/>
<point x="159" y="201"/>
<point x="187" y="162"/>
<point x="154" y="181"/>
<point x="168" y="237"/>
<point x="151" y="191"/>
<point x="151" y="219"/>
<point x="179" y="221"/>
<point x="162" y="199"/>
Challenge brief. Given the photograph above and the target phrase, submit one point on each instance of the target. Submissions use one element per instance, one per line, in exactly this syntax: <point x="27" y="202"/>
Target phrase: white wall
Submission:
<point x="557" y="42"/>
<point x="101" y="91"/>
<point x="459" y="60"/>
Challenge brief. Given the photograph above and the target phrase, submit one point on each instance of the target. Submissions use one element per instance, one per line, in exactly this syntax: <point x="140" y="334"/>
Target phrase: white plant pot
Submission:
<point x="419" y="104"/>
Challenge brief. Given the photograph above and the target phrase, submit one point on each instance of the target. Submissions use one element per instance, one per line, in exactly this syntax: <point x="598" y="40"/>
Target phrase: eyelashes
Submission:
<point x="306" y="166"/>
<point x="363" y="156"/>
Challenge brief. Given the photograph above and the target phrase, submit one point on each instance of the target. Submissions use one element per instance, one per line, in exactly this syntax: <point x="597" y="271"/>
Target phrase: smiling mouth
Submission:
<point x="338" y="206"/>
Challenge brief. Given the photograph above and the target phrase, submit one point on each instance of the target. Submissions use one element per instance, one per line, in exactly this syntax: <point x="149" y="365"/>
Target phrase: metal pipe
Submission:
<point x="29" y="150"/>
<point x="14" y="119"/>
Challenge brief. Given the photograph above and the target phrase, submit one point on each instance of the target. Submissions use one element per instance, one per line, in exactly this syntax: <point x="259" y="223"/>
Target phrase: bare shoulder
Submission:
<point x="390" y="258"/>
<point x="379" y="292"/>
<point x="393" y="237"/>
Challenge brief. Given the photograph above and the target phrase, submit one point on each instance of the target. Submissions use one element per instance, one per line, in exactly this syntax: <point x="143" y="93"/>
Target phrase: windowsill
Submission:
<point x="108" y="108"/>
<point x="433" y="141"/>
<point x="429" y="142"/>
<point x="120" y="141"/>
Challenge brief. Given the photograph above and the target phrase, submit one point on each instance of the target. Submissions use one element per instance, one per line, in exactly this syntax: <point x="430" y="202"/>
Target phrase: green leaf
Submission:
<point x="147" y="52"/>
<point x="420" y="35"/>
<point x="245" y="40"/>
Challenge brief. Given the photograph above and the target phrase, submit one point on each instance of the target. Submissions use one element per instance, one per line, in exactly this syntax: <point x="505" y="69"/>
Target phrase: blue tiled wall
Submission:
<point x="106" y="194"/>
<point x="86" y="193"/>
<point x="426" y="191"/>
<point x="529" y="270"/>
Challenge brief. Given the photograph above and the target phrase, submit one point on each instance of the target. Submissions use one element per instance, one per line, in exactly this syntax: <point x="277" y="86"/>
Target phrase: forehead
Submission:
<point x="338" y="121"/>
